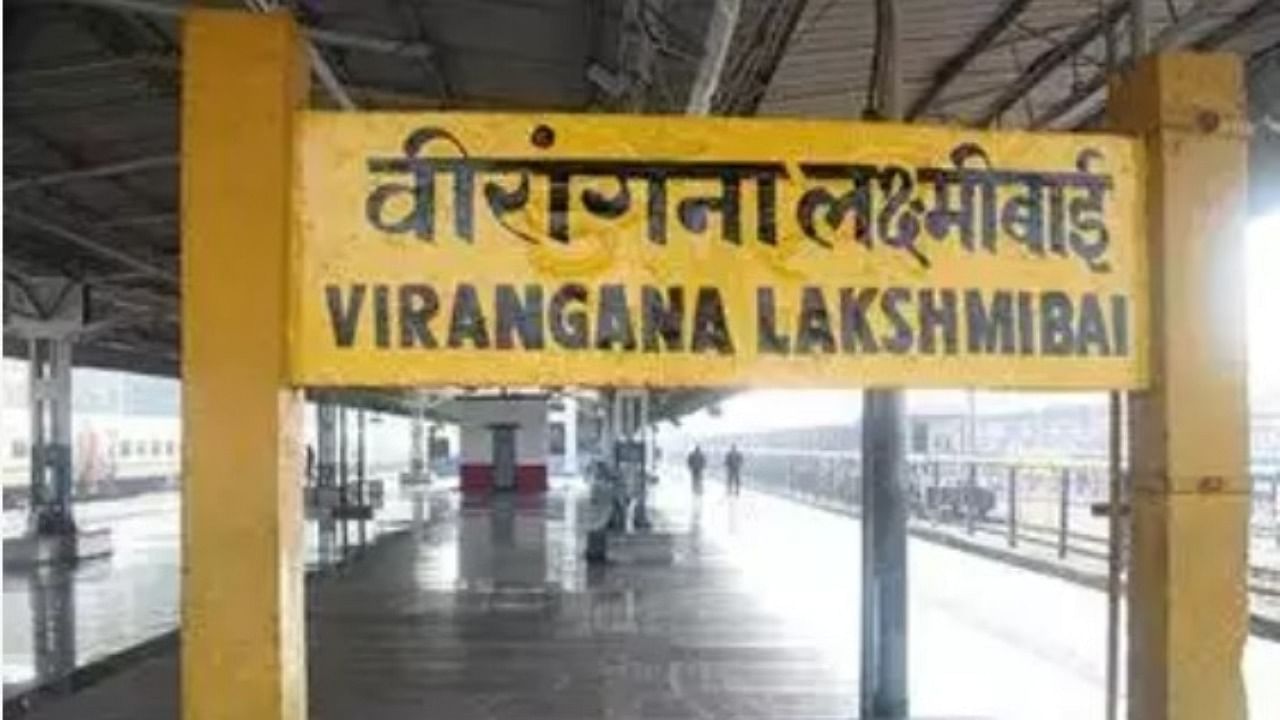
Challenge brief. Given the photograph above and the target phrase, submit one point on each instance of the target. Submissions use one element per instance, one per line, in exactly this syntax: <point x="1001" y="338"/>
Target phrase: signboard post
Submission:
<point x="1189" y="431"/>
<point x="243" y="641"/>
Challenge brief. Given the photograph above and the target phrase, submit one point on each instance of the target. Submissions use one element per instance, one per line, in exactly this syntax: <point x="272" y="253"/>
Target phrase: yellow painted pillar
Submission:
<point x="243" y="642"/>
<point x="1188" y="607"/>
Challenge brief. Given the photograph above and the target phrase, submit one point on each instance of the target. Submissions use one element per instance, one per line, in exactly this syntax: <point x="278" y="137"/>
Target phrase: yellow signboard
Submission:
<point x="478" y="249"/>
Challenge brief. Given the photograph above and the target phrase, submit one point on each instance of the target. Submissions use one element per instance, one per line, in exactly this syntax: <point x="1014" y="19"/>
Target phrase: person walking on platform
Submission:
<point x="733" y="468"/>
<point x="697" y="463"/>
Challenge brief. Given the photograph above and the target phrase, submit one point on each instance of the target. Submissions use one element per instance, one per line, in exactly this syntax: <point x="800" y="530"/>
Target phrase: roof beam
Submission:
<point x="160" y="218"/>
<point x="331" y="38"/>
<point x="1242" y="21"/>
<point x="1050" y="60"/>
<point x="635" y="57"/>
<point x="59" y="72"/>
<point x="127" y="35"/>
<point x="95" y="246"/>
<point x="715" y="48"/>
<point x="155" y="162"/>
<point x="434" y="69"/>
<point x="761" y="57"/>
<point x="956" y="64"/>
<point x="1083" y="100"/>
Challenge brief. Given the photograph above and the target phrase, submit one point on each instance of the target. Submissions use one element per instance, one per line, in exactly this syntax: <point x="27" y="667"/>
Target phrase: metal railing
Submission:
<point x="1056" y="503"/>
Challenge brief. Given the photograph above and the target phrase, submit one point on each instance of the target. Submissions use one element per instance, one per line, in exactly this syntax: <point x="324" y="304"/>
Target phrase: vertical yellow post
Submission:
<point x="243" y="644"/>
<point x="1188" y="608"/>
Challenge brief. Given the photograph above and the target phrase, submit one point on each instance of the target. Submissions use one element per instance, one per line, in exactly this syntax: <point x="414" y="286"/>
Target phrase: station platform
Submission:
<point x="126" y="604"/>
<point x="490" y="611"/>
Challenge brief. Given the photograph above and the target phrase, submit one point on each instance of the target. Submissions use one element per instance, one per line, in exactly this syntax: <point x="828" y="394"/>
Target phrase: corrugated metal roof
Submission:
<point x="826" y="69"/>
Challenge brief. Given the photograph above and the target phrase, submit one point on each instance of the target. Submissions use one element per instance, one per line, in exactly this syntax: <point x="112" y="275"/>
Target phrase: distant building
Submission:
<point x="1075" y="431"/>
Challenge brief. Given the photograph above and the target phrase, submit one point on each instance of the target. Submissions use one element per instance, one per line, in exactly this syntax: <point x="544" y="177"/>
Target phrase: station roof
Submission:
<point x="91" y="98"/>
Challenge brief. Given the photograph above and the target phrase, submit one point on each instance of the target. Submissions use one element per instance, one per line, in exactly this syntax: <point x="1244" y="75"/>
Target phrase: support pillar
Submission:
<point x="326" y="444"/>
<point x="243" y="636"/>
<point x="418" y="476"/>
<point x="324" y="496"/>
<point x="970" y="497"/>
<point x="630" y="451"/>
<point x="1188" y="615"/>
<point x="1064" y="511"/>
<point x="50" y="313"/>
<point x="418" y="445"/>
<point x="362" y="496"/>
<point x="884" y="558"/>
<point x="1011" y="531"/>
<point x="883" y="691"/>
<point x="344" y="484"/>
<point x="49" y="510"/>
<point x="571" y="435"/>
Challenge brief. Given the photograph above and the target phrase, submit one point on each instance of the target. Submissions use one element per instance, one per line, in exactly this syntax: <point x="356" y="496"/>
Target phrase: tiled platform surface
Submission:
<point x="491" y="613"/>
<point x="130" y="598"/>
<point x="117" y="602"/>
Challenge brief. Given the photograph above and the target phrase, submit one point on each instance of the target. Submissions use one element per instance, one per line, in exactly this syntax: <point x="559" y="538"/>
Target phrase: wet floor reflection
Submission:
<point x="51" y="592"/>
<point x="525" y="628"/>
<point x="60" y="618"/>
<point x="53" y="612"/>
<point x="986" y="639"/>
<point x="488" y="611"/>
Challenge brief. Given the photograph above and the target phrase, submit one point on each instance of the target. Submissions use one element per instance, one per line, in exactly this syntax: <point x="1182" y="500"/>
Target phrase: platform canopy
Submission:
<point x="92" y="89"/>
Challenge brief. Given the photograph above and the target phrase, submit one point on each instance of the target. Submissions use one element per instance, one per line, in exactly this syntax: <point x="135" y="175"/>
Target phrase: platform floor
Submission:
<point x="131" y="597"/>
<point x="491" y="613"/>
<point x="116" y="602"/>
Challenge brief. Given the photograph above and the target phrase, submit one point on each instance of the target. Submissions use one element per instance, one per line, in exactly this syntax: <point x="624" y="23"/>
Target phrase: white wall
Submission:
<point x="476" y="415"/>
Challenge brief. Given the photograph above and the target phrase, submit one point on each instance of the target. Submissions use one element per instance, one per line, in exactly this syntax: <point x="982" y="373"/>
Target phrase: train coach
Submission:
<point x="112" y="455"/>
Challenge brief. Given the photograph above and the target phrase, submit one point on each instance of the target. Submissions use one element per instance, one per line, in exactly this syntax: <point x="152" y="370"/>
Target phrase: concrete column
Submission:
<point x="630" y="421"/>
<point x="1011" y="501"/>
<point x="1064" y="511"/>
<point x="243" y="633"/>
<point x="608" y="431"/>
<point x="361" y="450"/>
<point x="571" y="434"/>
<point x="362" y="496"/>
<point x="323" y="495"/>
<point x="344" y="477"/>
<point x="50" y="511"/>
<point x="1188" y="437"/>
<point x="418" y="449"/>
<point x="326" y="444"/>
